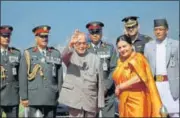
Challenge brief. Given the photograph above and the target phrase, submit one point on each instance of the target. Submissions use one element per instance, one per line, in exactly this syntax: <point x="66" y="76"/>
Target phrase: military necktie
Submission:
<point x="44" y="53"/>
<point x="4" y="53"/>
<point x="95" y="49"/>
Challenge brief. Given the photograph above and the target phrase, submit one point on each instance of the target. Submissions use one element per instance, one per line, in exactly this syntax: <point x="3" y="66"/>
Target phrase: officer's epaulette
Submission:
<point x="147" y="37"/>
<point x="12" y="49"/>
<point x="52" y="48"/>
<point x="34" y="48"/>
<point x="104" y="44"/>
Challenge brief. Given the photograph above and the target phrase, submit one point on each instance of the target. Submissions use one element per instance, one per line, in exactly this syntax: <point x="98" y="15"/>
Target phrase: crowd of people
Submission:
<point x="141" y="73"/>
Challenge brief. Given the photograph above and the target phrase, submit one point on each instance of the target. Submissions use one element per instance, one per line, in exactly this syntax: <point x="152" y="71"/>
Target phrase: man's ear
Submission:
<point x="36" y="40"/>
<point x="167" y="30"/>
<point x="138" y="26"/>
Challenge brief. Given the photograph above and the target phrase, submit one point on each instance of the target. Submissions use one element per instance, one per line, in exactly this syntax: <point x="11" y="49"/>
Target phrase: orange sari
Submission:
<point x="141" y="99"/>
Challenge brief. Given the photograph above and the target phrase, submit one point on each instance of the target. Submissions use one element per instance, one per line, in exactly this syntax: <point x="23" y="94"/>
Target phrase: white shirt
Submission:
<point x="2" y="50"/>
<point x="98" y="45"/>
<point x="161" y="57"/>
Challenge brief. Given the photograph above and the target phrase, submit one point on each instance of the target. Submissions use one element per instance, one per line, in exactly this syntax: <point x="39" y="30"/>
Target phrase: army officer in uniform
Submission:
<point x="9" y="85"/>
<point x="108" y="56"/>
<point x="139" y="40"/>
<point x="41" y="76"/>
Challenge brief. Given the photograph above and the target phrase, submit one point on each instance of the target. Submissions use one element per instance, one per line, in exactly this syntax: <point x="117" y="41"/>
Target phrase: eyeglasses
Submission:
<point x="5" y="36"/>
<point x="43" y="36"/>
<point x="159" y="29"/>
<point x="95" y="32"/>
<point x="80" y="43"/>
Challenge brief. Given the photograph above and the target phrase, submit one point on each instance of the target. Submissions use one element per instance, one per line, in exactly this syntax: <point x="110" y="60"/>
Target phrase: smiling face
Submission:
<point x="160" y="32"/>
<point x="81" y="45"/>
<point x="124" y="49"/>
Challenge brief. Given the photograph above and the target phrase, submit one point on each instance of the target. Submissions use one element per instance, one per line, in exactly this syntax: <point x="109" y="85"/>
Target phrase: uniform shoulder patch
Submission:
<point x="33" y="49"/>
<point x="109" y="45"/>
<point x="30" y="48"/>
<point x="53" y="49"/>
<point x="148" y="38"/>
<point x="13" y="48"/>
<point x="106" y="43"/>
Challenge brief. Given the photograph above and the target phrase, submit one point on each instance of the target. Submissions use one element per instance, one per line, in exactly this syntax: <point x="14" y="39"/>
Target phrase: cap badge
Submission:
<point x="6" y="28"/>
<point x="45" y="28"/>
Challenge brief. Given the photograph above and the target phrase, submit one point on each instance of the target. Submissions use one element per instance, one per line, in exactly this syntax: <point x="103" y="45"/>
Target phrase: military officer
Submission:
<point x="132" y="30"/>
<point x="107" y="53"/>
<point x="41" y="75"/>
<point x="9" y="85"/>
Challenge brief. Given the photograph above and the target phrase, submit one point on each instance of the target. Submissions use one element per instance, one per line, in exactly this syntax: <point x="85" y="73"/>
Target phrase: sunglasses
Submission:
<point x="95" y="32"/>
<point x="132" y="27"/>
<point x="5" y="36"/>
<point x="43" y="36"/>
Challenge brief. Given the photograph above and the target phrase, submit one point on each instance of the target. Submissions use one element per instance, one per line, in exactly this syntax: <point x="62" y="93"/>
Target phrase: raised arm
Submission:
<point x="68" y="51"/>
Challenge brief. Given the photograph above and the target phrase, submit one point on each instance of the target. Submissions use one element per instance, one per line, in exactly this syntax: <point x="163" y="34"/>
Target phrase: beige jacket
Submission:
<point x="83" y="86"/>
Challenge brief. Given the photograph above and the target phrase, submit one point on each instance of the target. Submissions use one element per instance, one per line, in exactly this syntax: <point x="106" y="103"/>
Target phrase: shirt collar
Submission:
<point x="2" y="50"/>
<point x="41" y="50"/>
<point x="98" y="45"/>
<point x="162" y="42"/>
<point x="138" y="38"/>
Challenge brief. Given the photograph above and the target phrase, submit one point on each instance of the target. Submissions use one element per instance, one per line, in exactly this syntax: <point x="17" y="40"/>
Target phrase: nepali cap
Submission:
<point x="160" y="22"/>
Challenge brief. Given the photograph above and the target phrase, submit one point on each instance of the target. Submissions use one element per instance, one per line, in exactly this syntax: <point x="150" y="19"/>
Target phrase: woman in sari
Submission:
<point x="135" y="86"/>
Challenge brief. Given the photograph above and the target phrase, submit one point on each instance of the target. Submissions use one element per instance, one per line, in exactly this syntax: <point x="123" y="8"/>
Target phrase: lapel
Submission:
<point x="3" y="59"/>
<point x="168" y="51"/>
<point x="48" y="51"/>
<point x="37" y="54"/>
<point x="90" y="48"/>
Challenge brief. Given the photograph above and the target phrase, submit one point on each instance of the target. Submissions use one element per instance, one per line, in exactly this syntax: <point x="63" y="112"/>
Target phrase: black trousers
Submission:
<point x="10" y="111"/>
<point x="47" y="111"/>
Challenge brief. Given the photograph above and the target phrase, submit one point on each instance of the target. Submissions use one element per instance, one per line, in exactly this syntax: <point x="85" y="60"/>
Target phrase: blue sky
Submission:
<point x="65" y="16"/>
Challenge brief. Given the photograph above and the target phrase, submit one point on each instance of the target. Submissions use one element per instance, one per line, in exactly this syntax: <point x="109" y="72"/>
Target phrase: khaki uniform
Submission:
<point x="9" y="82"/>
<point x="41" y="88"/>
<point x="107" y="53"/>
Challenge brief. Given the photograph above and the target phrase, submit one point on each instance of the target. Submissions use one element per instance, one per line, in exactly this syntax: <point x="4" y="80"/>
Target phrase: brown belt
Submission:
<point x="161" y="78"/>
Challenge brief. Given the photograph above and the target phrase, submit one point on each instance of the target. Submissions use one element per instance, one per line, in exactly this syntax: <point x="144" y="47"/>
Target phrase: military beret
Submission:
<point x="130" y="21"/>
<point x="41" y="30"/>
<point x="94" y="25"/>
<point x="160" y="22"/>
<point x="6" y="30"/>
